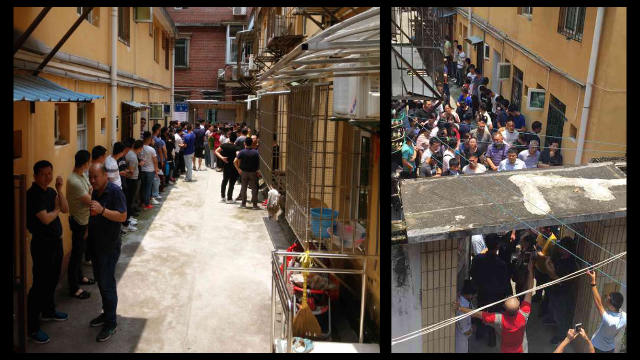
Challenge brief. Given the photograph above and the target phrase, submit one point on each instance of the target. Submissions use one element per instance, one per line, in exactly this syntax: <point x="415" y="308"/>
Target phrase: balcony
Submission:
<point x="281" y="34"/>
<point x="231" y="75"/>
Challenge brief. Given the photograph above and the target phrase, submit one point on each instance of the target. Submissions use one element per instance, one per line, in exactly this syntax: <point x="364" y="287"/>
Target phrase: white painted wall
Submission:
<point x="406" y="313"/>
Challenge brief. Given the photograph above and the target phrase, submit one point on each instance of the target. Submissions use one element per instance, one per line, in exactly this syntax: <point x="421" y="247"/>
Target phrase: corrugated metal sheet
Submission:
<point x="33" y="88"/>
<point x="136" y="105"/>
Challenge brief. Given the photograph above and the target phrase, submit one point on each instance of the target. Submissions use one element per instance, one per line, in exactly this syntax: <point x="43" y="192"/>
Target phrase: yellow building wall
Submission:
<point x="58" y="21"/>
<point x="607" y="118"/>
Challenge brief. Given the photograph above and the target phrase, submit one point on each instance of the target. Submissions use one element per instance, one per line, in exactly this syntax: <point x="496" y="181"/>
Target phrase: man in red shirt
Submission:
<point x="511" y="324"/>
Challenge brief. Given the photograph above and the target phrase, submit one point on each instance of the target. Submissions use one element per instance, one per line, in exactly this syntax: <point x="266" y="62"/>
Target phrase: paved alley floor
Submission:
<point x="195" y="277"/>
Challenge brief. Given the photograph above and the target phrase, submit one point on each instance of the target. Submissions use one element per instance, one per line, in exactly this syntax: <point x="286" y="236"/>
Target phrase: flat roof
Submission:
<point x="445" y="207"/>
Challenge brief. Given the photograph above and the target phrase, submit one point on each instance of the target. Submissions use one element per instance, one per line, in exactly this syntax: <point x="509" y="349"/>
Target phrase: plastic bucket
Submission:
<point x="321" y="220"/>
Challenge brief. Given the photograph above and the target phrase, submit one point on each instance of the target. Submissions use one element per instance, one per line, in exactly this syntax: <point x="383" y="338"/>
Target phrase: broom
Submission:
<point x="305" y="323"/>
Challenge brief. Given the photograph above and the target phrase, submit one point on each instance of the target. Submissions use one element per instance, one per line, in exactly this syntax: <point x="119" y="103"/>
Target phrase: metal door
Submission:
<point x="555" y="122"/>
<point x="516" y="88"/>
<point x="495" y="83"/>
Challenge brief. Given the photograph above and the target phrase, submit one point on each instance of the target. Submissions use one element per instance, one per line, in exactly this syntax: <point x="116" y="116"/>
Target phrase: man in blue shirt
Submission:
<point x="189" y="150"/>
<point x="517" y="118"/>
<point x="108" y="209"/>
<point x="408" y="161"/>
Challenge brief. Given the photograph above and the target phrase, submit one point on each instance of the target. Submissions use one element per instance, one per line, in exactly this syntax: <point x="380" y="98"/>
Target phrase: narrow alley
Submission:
<point x="195" y="277"/>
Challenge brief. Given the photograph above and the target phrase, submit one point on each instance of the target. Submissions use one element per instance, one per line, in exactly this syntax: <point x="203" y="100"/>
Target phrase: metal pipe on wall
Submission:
<point x="114" y="73"/>
<point x="593" y="60"/>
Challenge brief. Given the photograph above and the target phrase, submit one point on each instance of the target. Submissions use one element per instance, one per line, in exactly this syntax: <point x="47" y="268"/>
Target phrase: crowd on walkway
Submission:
<point x="519" y="257"/>
<point x="483" y="132"/>
<point x="104" y="195"/>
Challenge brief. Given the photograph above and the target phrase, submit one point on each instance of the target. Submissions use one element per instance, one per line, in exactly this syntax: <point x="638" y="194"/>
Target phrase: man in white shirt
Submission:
<point x="428" y="166"/>
<point x="482" y="110"/>
<point x="111" y="164"/>
<point x="531" y="155"/>
<point x="510" y="134"/>
<point x="460" y="65"/>
<point x="613" y="319"/>
<point x="473" y="167"/>
<point x="511" y="162"/>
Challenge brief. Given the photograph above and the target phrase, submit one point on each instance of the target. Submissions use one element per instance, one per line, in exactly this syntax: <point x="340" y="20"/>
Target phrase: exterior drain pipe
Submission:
<point x="593" y="60"/>
<point x="114" y="74"/>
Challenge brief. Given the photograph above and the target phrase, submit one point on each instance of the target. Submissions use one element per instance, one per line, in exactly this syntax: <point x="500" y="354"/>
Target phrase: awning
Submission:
<point x="136" y="105"/>
<point x="27" y="87"/>
<point x="473" y="40"/>
<point x="447" y="13"/>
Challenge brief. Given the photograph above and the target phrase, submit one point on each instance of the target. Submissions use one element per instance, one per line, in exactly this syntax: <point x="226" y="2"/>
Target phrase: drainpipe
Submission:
<point x="593" y="59"/>
<point x="469" y="35"/>
<point x="173" y="62"/>
<point x="114" y="73"/>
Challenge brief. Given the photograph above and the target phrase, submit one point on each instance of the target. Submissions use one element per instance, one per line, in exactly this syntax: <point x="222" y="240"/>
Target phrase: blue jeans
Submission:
<point x="104" y="271"/>
<point x="147" y="183"/>
<point x="156" y="186"/>
<point x="188" y="161"/>
<point x="207" y="156"/>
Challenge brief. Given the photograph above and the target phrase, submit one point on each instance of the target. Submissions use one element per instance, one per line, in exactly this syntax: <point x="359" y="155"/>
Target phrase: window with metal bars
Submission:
<point x="526" y="11"/>
<point x="124" y="14"/>
<point x="571" y="22"/>
<point x="156" y="111"/>
<point x="182" y="53"/>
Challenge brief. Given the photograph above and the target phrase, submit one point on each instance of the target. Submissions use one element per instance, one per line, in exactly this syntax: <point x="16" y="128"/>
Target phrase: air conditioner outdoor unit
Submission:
<point x="239" y="11"/>
<point x="504" y="71"/>
<point x="356" y="96"/>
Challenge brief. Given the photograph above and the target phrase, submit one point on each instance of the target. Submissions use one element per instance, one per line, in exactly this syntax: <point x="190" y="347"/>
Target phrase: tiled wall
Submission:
<point x="439" y="273"/>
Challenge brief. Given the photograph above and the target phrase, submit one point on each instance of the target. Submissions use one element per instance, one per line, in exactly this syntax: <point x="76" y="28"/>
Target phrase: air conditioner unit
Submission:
<point x="504" y="71"/>
<point x="239" y="11"/>
<point x="356" y="96"/>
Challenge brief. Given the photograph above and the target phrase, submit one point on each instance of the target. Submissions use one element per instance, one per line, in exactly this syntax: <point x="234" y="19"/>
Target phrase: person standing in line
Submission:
<point x="199" y="146"/>
<point x="149" y="167"/>
<point x="227" y="154"/>
<point x="463" y="327"/>
<point x="132" y="180"/>
<point x="167" y="136"/>
<point x="207" y="148"/>
<point x="79" y="199"/>
<point x="530" y="156"/>
<point x="241" y="137"/>
<point x="189" y="149"/>
<point x="179" y="159"/>
<point x="43" y="206"/>
<point x="111" y="164"/>
<point x="247" y="163"/>
<point x="613" y="319"/>
<point x="161" y="152"/>
<point x="108" y="210"/>
<point x="511" y="162"/>
<point x="460" y="66"/>
<point x="98" y="154"/>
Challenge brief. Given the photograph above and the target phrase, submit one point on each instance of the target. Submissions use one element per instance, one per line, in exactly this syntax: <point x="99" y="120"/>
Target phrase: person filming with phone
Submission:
<point x="572" y="334"/>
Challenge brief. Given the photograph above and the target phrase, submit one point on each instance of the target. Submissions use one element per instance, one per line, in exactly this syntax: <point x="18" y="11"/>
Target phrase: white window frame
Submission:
<point x="135" y="16"/>
<point x="528" y="14"/>
<point x="81" y="127"/>
<point x="89" y="17"/>
<point x="230" y="40"/>
<point x="532" y="90"/>
<point x="487" y="51"/>
<point x="187" y="41"/>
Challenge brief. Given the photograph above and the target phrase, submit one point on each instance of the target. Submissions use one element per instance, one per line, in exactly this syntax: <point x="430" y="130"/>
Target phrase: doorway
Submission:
<point x="555" y="122"/>
<point x="127" y="122"/>
<point x="495" y="83"/>
<point x="516" y="88"/>
<point x="480" y="57"/>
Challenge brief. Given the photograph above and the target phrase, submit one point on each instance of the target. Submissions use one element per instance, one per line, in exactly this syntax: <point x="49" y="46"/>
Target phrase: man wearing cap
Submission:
<point x="613" y="319"/>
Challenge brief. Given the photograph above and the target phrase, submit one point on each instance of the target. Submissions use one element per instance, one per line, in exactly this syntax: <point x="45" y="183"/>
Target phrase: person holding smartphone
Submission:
<point x="572" y="334"/>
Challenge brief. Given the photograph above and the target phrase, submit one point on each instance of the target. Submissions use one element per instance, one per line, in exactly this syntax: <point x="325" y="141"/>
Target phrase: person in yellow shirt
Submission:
<point x="545" y="244"/>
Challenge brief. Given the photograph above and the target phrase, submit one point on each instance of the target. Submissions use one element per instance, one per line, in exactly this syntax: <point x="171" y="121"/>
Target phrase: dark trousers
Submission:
<point x="447" y="95"/>
<point x="230" y="176"/>
<point x="47" y="261"/>
<point x="485" y="299"/>
<point x="180" y="162"/>
<point x="249" y="178"/>
<point x="104" y="271"/>
<point x="133" y="187"/>
<point x="78" y="246"/>
<point x="541" y="279"/>
<point x="147" y="184"/>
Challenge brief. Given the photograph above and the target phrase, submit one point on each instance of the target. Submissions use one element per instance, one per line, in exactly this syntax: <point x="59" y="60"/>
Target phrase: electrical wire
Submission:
<point x="450" y="321"/>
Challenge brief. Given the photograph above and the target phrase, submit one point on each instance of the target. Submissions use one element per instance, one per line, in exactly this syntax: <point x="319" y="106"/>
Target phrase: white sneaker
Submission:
<point x="223" y="200"/>
<point x="130" y="228"/>
<point x="155" y="202"/>
<point x="133" y="221"/>
<point x="159" y="198"/>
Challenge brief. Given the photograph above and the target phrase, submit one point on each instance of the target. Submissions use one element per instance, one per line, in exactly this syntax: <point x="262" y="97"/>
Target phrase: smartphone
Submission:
<point x="577" y="327"/>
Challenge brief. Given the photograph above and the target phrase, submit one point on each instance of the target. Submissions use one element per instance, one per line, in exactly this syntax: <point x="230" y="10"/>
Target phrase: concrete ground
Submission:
<point x="195" y="277"/>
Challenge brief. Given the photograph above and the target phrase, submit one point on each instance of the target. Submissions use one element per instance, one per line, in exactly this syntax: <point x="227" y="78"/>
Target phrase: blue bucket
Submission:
<point x="321" y="220"/>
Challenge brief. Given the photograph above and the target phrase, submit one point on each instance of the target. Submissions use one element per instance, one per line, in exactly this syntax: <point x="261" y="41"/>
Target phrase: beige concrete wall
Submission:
<point x="439" y="277"/>
<point x="607" y="118"/>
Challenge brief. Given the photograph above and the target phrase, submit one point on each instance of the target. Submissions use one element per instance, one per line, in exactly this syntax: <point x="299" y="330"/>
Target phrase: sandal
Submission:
<point x="83" y="295"/>
<point x="88" y="282"/>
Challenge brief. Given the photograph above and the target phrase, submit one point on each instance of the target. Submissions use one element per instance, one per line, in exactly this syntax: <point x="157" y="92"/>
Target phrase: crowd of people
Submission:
<point x="105" y="194"/>
<point x="482" y="125"/>
<point x="519" y="257"/>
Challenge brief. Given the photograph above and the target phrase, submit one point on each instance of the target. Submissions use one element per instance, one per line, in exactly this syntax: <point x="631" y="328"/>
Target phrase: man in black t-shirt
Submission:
<point x="247" y="163"/>
<point x="199" y="132"/>
<point x="227" y="153"/>
<point x="43" y="206"/>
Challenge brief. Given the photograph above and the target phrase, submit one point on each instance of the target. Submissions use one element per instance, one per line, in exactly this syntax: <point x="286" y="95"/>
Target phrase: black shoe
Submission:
<point x="106" y="333"/>
<point x="99" y="321"/>
<point x="56" y="315"/>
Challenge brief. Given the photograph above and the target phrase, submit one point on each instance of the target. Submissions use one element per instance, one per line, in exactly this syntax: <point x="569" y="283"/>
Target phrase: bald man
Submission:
<point x="511" y="323"/>
<point x="108" y="209"/>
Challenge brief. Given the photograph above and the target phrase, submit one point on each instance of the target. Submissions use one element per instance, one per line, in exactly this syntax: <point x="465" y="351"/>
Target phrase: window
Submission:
<point x="61" y="124"/>
<point x="182" y="53"/>
<point x="232" y="45"/>
<point x="156" y="48"/>
<point x="103" y="122"/>
<point x="156" y="111"/>
<point x="90" y="18"/>
<point x="143" y="14"/>
<point x="165" y="43"/>
<point x="571" y="22"/>
<point x="573" y="132"/>
<point x="82" y="126"/>
<point x="516" y="88"/>
<point x="363" y="193"/>
<point x="535" y="99"/>
<point x="525" y="11"/>
<point x="123" y="24"/>
<point x="486" y="51"/>
<point x="504" y="71"/>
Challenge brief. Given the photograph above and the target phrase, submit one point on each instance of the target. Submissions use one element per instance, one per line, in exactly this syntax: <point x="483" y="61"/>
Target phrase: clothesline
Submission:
<point x="450" y="321"/>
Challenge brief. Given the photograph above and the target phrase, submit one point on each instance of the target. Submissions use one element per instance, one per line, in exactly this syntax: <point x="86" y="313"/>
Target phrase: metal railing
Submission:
<point x="273" y="147"/>
<point x="287" y="300"/>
